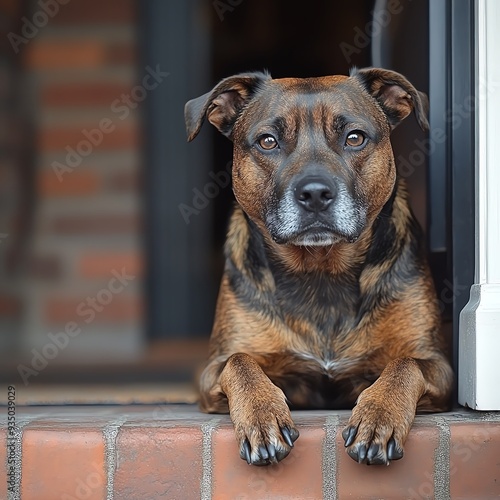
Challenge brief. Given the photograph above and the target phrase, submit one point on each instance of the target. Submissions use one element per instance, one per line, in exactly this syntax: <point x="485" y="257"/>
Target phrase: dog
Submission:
<point x="326" y="300"/>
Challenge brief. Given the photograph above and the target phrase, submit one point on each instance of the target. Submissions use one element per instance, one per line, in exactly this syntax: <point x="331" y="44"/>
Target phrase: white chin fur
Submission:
<point x="317" y="240"/>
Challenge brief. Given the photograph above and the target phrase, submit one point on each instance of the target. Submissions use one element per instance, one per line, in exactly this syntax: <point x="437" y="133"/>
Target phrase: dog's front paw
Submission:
<point x="377" y="430"/>
<point x="269" y="447"/>
<point x="264" y="428"/>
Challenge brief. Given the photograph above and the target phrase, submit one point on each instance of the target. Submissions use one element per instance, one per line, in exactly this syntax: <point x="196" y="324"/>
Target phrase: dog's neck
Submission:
<point x="335" y="259"/>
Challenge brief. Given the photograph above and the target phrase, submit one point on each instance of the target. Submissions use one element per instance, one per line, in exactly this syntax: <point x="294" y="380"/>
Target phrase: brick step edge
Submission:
<point x="176" y="452"/>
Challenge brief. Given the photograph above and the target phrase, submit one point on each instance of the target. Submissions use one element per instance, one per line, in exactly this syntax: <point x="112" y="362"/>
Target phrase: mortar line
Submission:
<point x="207" y="429"/>
<point x="329" y="459"/>
<point x="442" y="460"/>
<point x="110" y="432"/>
<point x="489" y="417"/>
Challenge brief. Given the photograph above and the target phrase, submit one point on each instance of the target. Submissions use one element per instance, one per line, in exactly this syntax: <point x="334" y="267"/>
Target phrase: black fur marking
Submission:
<point x="323" y="391"/>
<point x="331" y="302"/>
<point x="245" y="281"/>
<point x="383" y="245"/>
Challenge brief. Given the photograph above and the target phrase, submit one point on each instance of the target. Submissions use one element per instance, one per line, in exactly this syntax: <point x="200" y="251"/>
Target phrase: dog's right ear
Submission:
<point x="222" y="105"/>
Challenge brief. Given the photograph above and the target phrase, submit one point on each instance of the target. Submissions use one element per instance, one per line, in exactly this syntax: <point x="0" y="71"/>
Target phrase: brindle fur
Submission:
<point x="356" y="321"/>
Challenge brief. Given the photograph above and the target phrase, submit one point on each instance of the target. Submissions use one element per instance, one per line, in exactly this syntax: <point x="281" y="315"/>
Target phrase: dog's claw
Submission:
<point x="281" y="454"/>
<point x="349" y="435"/>
<point x="361" y="452"/>
<point x="245" y="452"/>
<point x="272" y="452"/>
<point x="267" y="454"/>
<point x="287" y="437"/>
<point x="393" y="451"/>
<point x="376" y="455"/>
<point x="373" y="451"/>
<point x="294" y="433"/>
<point x="263" y="452"/>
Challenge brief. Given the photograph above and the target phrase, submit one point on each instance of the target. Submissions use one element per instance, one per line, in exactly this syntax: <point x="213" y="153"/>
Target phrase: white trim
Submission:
<point x="479" y="333"/>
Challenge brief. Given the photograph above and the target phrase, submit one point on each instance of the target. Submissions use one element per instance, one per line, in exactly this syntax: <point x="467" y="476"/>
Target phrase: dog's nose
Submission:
<point x="315" y="195"/>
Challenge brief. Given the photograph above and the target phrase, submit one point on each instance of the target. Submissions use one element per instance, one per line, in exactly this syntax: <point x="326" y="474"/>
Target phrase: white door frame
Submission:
<point x="479" y="330"/>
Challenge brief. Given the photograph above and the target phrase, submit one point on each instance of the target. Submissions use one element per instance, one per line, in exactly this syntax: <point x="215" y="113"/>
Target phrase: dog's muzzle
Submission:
<point x="316" y="210"/>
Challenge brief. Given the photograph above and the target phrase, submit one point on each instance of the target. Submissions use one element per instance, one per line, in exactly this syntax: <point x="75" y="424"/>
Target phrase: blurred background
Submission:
<point x="111" y="224"/>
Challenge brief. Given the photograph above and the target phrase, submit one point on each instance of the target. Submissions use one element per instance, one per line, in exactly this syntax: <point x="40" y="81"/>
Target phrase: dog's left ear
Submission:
<point x="223" y="104"/>
<point x="395" y="94"/>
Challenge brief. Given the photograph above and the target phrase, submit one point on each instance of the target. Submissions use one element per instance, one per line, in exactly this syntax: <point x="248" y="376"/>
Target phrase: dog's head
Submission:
<point x="313" y="163"/>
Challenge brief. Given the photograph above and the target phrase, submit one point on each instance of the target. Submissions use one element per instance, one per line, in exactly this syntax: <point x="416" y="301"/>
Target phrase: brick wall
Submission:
<point x="84" y="264"/>
<point x="13" y="177"/>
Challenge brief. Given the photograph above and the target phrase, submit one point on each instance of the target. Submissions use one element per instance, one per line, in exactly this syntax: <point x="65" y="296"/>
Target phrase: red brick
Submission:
<point x="122" y="54"/>
<point x="98" y="264"/>
<point x="82" y="95"/>
<point x="124" y="135"/>
<point x="77" y="183"/>
<point x="62" y="460"/>
<point x="158" y="462"/>
<point x="88" y="54"/>
<point x="49" y="55"/>
<point x="95" y="224"/>
<point x="97" y="11"/>
<point x="298" y="476"/>
<point x="410" y="477"/>
<point x="475" y="461"/>
<point x="119" y="310"/>
<point x="124" y="182"/>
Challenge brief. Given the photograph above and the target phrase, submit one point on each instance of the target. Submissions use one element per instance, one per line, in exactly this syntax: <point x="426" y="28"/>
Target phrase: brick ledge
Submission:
<point x="176" y="452"/>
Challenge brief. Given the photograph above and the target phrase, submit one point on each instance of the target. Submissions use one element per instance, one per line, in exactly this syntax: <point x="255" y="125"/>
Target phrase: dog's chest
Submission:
<point x="318" y="302"/>
<point x="313" y="381"/>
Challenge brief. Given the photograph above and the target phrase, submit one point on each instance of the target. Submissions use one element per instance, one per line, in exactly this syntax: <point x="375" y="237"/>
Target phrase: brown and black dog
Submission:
<point x="326" y="299"/>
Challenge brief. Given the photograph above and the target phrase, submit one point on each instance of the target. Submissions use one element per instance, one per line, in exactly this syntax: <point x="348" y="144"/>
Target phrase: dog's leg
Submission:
<point x="381" y="420"/>
<point x="263" y="425"/>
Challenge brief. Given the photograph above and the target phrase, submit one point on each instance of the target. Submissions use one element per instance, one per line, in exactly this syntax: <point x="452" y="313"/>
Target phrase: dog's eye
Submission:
<point x="267" y="142"/>
<point x="355" y="139"/>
